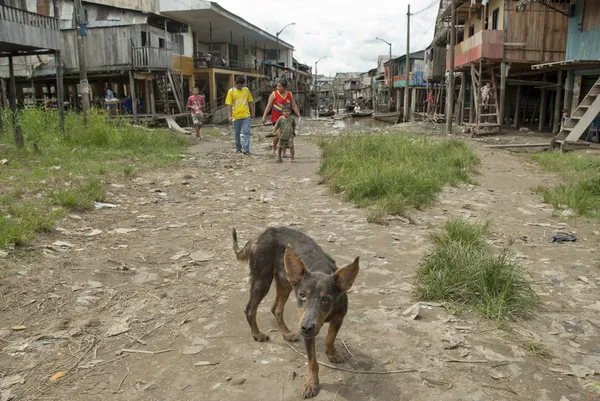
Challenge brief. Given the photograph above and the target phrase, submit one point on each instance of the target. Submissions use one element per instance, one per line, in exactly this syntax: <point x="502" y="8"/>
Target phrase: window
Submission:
<point x="472" y="30"/>
<point x="144" y="39"/>
<point x="177" y="43"/>
<point x="495" y="16"/>
<point x="161" y="43"/>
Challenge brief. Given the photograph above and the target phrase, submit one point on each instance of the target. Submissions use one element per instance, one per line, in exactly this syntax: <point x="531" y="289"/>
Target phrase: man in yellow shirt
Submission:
<point x="240" y="108"/>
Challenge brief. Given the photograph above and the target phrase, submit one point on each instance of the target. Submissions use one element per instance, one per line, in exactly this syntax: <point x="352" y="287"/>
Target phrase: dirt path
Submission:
<point x="134" y="285"/>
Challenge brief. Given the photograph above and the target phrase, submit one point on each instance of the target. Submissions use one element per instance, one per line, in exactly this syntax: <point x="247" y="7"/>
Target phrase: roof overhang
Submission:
<point x="204" y="16"/>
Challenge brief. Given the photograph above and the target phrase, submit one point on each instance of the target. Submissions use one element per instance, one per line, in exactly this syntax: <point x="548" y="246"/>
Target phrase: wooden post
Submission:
<point x="146" y="97"/>
<point x="152" y="104"/>
<point x="60" y="92"/>
<point x="503" y="73"/>
<point x="558" y="104"/>
<point x="212" y="84"/>
<point x="413" y="104"/>
<point x="543" y="105"/>
<point x="4" y="92"/>
<point x="516" y="121"/>
<point x="576" y="92"/>
<point x="461" y="99"/>
<point x="407" y="64"/>
<point x="18" y="133"/>
<point x="569" y="90"/>
<point x="450" y="87"/>
<point x="526" y="106"/>
<point x="472" y="105"/>
<point x="552" y="102"/>
<point x="133" y="97"/>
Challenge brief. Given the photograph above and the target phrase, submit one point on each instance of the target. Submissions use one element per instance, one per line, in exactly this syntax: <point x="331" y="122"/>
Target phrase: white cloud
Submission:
<point x="342" y="30"/>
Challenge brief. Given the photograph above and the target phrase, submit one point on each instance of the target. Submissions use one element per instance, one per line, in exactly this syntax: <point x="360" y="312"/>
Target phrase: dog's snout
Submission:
<point x="308" y="328"/>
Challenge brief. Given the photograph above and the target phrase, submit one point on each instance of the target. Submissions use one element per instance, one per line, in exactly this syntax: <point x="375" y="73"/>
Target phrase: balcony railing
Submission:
<point x="16" y="15"/>
<point x="152" y="57"/>
<point x="488" y="44"/>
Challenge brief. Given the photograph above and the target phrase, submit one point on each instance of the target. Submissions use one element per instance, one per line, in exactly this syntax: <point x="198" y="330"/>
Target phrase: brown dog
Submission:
<point x="296" y="262"/>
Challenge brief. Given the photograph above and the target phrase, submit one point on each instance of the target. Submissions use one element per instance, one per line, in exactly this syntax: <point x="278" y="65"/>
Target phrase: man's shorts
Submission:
<point x="197" y="119"/>
<point x="286" y="143"/>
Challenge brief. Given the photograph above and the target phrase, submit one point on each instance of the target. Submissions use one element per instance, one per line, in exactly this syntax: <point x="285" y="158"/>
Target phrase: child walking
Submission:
<point x="285" y="129"/>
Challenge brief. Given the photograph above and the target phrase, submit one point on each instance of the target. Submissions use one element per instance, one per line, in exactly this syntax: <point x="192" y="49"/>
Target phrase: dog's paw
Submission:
<point x="291" y="337"/>
<point x="261" y="337"/>
<point x="334" y="357"/>
<point x="310" y="389"/>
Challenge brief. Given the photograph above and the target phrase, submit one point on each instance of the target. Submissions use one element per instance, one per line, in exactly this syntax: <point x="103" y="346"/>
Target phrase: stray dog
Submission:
<point x="296" y="262"/>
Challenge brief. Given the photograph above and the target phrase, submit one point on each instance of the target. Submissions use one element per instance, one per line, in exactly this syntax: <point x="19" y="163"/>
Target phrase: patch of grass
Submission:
<point x="78" y="198"/>
<point x="581" y="190"/>
<point x="537" y="349"/>
<point x="462" y="268"/>
<point x="63" y="171"/>
<point x="393" y="173"/>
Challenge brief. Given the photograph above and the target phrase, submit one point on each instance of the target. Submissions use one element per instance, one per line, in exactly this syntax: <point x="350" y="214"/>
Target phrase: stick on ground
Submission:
<point x="365" y="372"/>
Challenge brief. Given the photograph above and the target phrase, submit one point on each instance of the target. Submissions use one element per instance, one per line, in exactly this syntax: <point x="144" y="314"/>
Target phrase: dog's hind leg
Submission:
<point x="259" y="287"/>
<point x="283" y="293"/>
<point x="334" y="326"/>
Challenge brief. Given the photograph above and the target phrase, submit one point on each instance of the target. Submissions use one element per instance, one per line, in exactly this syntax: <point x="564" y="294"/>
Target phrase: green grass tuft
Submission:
<point x="393" y="173"/>
<point x="581" y="190"/>
<point x="62" y="171"/>
<point x="462" y="268"/>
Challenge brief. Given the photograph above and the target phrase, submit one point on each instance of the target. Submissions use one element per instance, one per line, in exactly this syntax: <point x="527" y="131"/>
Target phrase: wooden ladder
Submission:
<point x="581" y="118"/>
<point x="486" y="116"/>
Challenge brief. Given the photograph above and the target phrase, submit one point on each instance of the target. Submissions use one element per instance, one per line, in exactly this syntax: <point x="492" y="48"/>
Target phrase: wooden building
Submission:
<point x="25" y="34"/>
<point x="416" y="83"/>
<point x="580" y="70"/>
<point x="496" y="45"/>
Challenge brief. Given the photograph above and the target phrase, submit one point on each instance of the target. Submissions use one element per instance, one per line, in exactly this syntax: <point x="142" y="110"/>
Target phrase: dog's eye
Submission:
<point x="302" y="296"/>
<point x="326" y="300"/>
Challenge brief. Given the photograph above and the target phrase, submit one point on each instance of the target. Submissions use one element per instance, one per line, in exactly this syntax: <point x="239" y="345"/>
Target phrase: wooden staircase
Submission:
<point x="487" y="116"/>
<point x="581" y="118"/>
<point x="169" y="87"/>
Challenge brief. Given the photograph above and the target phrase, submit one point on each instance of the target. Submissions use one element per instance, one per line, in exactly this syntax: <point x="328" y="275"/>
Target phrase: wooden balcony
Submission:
<point x="22" y="31"/>
<point x="152" y="58"/>
<point x="486" y="44"/>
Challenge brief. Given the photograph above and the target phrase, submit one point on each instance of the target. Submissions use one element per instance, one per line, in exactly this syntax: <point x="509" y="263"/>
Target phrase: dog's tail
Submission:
<point x="241" y="254"/>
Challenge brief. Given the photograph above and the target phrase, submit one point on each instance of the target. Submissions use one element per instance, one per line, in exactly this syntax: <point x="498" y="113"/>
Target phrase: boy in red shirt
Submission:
<point x="196" y="104"/>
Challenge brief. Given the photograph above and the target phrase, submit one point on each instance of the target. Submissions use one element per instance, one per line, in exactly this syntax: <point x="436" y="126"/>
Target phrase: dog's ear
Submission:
<point x="294" y="268"/>
<point x="344" y="277"/>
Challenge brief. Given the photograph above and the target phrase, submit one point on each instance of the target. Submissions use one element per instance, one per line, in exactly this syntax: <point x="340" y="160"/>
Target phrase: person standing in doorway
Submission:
<point x="278" y="99"/>
<point x="240" y="108"/>
<point x="196" y="104"/>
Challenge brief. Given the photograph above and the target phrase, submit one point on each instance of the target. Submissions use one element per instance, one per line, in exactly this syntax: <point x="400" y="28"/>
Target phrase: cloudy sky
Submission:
<point x="342" y="30"/>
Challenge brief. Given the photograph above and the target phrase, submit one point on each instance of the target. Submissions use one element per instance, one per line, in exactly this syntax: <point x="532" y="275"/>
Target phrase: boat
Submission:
<point x="392" y="117"/>
<point x="364" y="113"/>
<point x="327" y="113"/>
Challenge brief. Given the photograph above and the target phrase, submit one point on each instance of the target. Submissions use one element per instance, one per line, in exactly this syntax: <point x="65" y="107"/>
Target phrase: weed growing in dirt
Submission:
<point x="581" y="190"/>
<point x="464" y="269"/>
<point x="393" y="173"/>
<point x="65" y="171"/>
<point x="537" y="349"/>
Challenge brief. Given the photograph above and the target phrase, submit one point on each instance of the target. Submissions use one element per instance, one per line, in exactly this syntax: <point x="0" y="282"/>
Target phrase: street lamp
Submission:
<point x="391" y="77"/>
<point x="277" y="35"/>
<point x="316" y="87"/>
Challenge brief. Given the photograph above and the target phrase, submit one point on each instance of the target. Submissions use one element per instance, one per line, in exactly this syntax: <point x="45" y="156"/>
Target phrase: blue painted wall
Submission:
<point x="583" y="45"/>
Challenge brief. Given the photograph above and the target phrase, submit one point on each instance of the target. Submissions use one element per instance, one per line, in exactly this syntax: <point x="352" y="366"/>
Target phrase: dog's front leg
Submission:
<point x="334" y="327"/>
<point x="311" y="387"/>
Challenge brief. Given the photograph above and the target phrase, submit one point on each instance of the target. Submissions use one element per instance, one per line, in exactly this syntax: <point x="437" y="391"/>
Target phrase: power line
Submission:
<point x="433" y="2"/>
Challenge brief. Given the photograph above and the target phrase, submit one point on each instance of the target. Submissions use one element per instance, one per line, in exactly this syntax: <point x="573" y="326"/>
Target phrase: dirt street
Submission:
<point x="156" y="277"/>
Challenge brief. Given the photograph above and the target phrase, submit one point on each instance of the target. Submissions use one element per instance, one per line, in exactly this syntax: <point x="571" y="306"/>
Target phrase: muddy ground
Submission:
<point x="156" y="277"/>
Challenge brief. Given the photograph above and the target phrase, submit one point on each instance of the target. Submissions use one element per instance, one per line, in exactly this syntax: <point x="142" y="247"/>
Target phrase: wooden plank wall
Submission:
<point x="104" y="47"/>
<point x="538" y="35"/>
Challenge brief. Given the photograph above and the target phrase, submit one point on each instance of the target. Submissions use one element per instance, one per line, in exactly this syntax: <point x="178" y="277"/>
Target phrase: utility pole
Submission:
<point x="316" y="85"/>
<point x="407" y="79"/>
<point x="83" y="81"/>
<point x="390" y="73"/>
<point x="277" y="50"/>
<point x="450" y="87"/>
